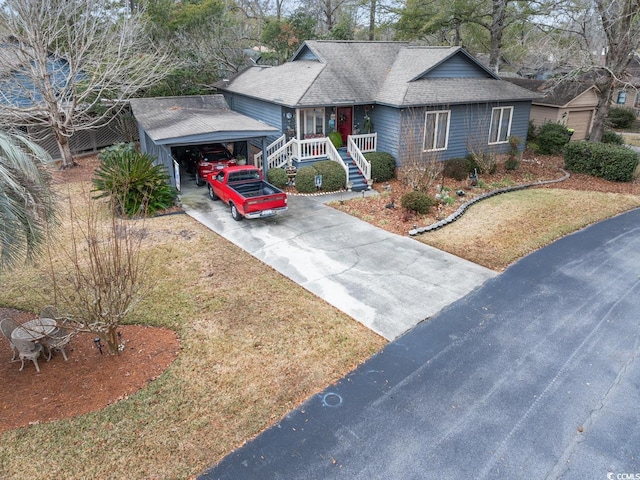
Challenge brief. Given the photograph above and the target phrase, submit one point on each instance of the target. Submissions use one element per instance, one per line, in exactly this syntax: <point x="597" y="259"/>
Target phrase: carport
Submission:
<point x="167" y="123"/>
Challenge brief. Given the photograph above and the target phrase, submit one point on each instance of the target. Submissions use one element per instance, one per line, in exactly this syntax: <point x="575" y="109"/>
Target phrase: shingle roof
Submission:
<point x="351" y="72"/>
<point x="557" y="95"/>
<point x="173" y="117"/>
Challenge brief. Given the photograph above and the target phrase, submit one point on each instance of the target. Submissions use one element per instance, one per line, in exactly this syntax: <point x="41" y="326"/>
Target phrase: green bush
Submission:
<point x="612" y="137"/>
<point x="532" y="131"/>
<point x="117" y="150"/>
<point x="383" y="166"/>
<point x="336" y="139"/>
<point x="612" y="162"/>
<point x="418" y="202"/>
<point x="132" y="183"/>
<point x="511" y="163"/>
<point x="306" y="180"/>
<point x="621" y="117"/>
<point x="459" y="168"/>
<point x="333" y="175"/>
<point x="552" y="138"/>
<point x="277" y="177"/>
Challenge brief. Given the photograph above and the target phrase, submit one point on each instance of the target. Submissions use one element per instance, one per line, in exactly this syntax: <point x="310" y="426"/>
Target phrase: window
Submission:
<point x="622" y="97"/>
<point x="500" y="125"/>
<point x="312" y="121"/>
<point x="436" y="130"/>
<point x="637" y="104"/>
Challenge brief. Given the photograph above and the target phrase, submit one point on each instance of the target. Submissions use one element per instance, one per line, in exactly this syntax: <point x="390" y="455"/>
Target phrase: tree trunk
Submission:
<point x="65" y="151"/>
<point x="602" y="110"/>
<point x="496" y="31"/>
<point x="372" y="19"/>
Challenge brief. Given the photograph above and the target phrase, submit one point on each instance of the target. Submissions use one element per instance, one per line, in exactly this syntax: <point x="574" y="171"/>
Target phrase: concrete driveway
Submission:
<point x="535" y="375"/>
<point x="387" y="282"/>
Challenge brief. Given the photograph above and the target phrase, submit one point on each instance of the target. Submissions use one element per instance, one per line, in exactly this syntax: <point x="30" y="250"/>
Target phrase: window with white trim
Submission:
<point x="436" y="130"/>
<point x="500" y="129"/>
<point x="312" y="121"/>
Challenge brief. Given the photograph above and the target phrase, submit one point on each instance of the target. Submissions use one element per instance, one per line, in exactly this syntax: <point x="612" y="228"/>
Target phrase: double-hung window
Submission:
<point x="313" y="121"/>
<point x="500" y="125"/>
<point x="622" y="97"/>
<point x="436" y="130"/>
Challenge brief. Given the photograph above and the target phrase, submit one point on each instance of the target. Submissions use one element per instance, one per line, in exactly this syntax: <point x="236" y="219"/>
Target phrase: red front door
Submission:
<point x="344" y="122"/>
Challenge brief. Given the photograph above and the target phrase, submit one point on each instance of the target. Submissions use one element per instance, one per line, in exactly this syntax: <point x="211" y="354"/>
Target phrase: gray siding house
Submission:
<point x="411" y="101"/>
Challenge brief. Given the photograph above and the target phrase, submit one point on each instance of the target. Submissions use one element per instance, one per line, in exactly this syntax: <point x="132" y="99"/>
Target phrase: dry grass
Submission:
<point x="254" y="345"/>
<point x="504" y="228"/>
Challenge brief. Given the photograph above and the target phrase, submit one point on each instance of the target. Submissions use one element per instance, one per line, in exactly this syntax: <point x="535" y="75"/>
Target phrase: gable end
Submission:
<point x="457" y="65"/>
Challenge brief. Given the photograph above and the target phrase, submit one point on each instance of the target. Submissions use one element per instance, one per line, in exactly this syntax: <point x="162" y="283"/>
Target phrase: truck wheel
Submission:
<point x="235" y="213"/>
<point x="212" y="195"/>
<point x="199" y="181"/>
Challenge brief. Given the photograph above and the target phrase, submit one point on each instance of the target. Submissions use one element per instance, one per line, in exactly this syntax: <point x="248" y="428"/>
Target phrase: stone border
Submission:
<point x="463" y="208"/>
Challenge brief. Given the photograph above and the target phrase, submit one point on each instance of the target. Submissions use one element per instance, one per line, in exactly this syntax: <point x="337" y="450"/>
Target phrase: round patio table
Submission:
<point x="35" y="329"/>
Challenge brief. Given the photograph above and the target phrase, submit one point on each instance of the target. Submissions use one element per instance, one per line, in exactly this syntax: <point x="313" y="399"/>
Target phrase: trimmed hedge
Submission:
<point x="418" y="202"/>
<point x="383" y="166"/>
<point x="621" y="117"/>
<point x="609" y="161"/>
<point x="612" y="137"/>
<point x="306" y="180"/>
<point x="277" y="177"/>
<point x="552" y="138"/>
<point x="333" y="175"/>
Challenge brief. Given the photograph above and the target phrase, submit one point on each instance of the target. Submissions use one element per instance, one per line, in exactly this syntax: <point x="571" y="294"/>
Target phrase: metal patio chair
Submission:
<point x="57" y="340"/>
<point x="7" y="326"/>
<point x="28" y="350"/>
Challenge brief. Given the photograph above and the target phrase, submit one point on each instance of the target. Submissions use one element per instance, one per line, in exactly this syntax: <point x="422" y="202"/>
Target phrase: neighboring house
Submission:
<point x="411" y="101"/>
<point x="570" y="103"/>
<point x="628" y="94"/>
<point x="18" y="92"/>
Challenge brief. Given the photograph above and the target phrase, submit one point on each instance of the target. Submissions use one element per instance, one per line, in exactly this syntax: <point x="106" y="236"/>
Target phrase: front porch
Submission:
<point x="300" y="153"/>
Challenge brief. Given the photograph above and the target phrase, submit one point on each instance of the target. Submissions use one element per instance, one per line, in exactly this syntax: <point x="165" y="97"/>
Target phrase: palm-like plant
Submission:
<point x="27" y="204"/>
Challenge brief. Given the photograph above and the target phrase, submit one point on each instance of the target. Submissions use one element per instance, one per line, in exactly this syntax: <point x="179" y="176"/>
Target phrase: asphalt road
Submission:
<point x="535" y="375"/>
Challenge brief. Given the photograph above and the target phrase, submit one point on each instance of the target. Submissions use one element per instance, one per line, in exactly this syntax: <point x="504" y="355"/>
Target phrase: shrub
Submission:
<point x="132" y="183"/>
<point x="552" y="138"/>
<point x="621" y="117"/>
<point x="459" y="168"/>
<point x="612" y="137"/>
<point x="511" y="163"/>
<point x="532" y="132"/>
<point x="336" y="139"/>
<point x="277" y="177"/>
<point x="116" y="150"/>
<point x="333" y="175"/>
<point x="383" y="166"/>
<point x="418" y="202"/>
<point x="306" y="180"/>
<point x="485" y="162"/>
<point x="612" y="162"/>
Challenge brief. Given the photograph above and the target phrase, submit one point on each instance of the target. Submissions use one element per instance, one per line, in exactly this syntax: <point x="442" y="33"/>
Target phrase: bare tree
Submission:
<point x="101" y="276"/>
<point x="421" y="165"/>
<point x="70" y="65"/>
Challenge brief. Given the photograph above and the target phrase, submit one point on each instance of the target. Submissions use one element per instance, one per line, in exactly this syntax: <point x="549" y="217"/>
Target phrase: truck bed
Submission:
<point x="255" y="189"/>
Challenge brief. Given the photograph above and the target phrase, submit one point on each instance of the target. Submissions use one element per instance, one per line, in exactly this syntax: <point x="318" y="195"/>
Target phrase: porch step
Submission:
<point x="355" y="175"/>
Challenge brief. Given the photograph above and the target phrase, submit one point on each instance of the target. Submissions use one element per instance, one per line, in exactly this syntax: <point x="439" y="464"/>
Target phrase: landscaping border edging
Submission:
<point x="463" y="208"/>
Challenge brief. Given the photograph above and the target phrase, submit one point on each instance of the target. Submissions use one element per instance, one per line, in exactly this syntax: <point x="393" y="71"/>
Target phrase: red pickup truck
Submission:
<point x="245" y="191"/>
<point x="212" y="159"/>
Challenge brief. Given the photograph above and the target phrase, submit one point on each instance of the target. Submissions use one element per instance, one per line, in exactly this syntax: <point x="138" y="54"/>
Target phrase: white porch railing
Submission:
<point x="281" y="153"/>
<point x="353" y="149"/>
<point x="271" y="148"/>
<point x="366" y="142"/>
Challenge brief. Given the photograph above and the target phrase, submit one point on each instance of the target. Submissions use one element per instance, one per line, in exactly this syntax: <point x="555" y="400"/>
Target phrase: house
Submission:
<point x="411" y="101"/>
<point x="571" y="103"/>
<point x="628" y="94"/>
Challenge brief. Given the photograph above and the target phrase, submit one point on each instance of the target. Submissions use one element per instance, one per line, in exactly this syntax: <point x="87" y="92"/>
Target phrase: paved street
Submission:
<point x="535" y="375"/>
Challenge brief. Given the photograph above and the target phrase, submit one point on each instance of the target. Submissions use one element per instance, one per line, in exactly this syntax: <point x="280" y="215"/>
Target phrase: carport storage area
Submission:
<point x="179" y="131"/>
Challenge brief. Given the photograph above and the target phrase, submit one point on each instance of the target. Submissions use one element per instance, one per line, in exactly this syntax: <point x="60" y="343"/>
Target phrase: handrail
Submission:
<point x="358" y="157"/>
<point x="281" y="156"/>
<point x="310" y="148"/>
<point x="332" y="154"/>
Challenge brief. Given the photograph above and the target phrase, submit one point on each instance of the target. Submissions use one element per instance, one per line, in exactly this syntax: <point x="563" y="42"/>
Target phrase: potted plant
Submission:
<point x="336" y="139"/>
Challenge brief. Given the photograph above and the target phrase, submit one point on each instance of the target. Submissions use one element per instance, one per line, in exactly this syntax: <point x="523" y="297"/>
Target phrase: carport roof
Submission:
<point x="201" y="118"/>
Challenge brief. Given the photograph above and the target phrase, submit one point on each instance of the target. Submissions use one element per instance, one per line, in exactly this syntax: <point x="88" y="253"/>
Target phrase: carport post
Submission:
<point x="265" y="163"/>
